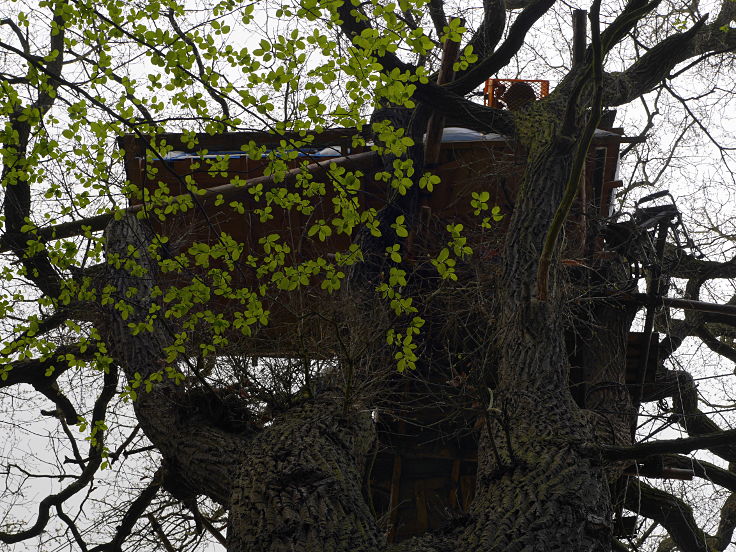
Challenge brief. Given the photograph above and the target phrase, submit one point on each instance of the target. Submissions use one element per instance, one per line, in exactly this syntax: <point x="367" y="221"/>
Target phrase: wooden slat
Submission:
<point x="393" y="502"/>
<point x="233" y="140"/>
<point x="454" y="478"/>
<point x="634" y="351"/>
<point x="421" y="504"/>
<point x="436" y="123"/>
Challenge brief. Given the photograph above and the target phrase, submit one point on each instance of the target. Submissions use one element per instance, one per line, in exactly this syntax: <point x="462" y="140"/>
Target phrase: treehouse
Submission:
<point x="225" y="177"/>
<point x="229" y="187"/>
<point x="424" y="472"/>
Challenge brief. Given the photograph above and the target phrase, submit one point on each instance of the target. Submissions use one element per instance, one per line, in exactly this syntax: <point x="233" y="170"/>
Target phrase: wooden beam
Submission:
<point x="420" y="499"/>
<point x="436" y="124"/>
<point x="229" y="141"/>
<point x="455" y="483"/>
<point x="393" y="501"/>
<point x="686" y="304"/>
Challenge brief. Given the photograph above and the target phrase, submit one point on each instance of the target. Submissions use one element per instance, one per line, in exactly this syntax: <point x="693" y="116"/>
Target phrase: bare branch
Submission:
<point x="121" y="449"/>
<point x="133" y="514"/>
<point x="160" y="533"/>
<point x="715" y="345"/>
<point x="703" y="469"/>
<point x="64" y="405"/>
<point x="491" y="29"/>
<point x="72" y="527"/>
<point x="479" y="72"/>
<point x="95" y="459"/>
<point x="726" y="524"/>
<point x="18" y="33"/>
<point x="658" y="62"/>
<point x="670" y="512"/>
<point x="668" y="446"/>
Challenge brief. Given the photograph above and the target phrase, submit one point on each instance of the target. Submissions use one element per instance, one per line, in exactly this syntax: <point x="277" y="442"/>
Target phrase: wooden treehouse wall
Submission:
<point x="493" y="165"/>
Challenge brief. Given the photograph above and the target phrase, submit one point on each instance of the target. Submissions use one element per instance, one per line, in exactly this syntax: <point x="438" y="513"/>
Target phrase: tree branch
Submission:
<point x="651" y="68"/>
<point x="132" y="515"/>
<point x="34" y="372"/>
<point x="43" y="373"/>
<point x="715" y="344"/>
<point x="95" y="459"/>
<point x="703" y="469"/>
<point x="477" y="74"/>
<point x="670" y="512"/>
<point x="17" y="206"/>
<point x="437" y="14"/>
<point x="72" y="527"/>
<point x="204" y="78"/>
<point x="449" y="99"/>
<point x="490" y="30"/>
<point x="726" y="524"/>
<point x="668" y="446"/>
<point x="362" y="161"/>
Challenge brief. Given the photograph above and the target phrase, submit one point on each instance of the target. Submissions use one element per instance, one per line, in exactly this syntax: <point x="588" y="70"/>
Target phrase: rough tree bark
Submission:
<point x="295" y="485"/>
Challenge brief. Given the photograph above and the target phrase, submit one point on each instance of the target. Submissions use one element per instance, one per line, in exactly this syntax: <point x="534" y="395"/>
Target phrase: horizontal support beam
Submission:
<point x="669" y="446"/>
<point x="686" y="304"/>
<point x="226" y="140"/>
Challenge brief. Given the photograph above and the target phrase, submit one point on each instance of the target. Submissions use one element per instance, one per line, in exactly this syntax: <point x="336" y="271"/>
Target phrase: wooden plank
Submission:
<point x="634" y="350"/>
<point x="420" y="498"/>
<point x="454" y="478"/>
<point x="579" y="29"/>
<point x="393" y="501"/>
<point x="436" y="124"/>
<point x="606" y="193"/>
<point x="233" y="140"/>
<point x="677" y="303"/>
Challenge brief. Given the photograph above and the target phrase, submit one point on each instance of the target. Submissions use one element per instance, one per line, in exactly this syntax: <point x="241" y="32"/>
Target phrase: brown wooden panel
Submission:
<point x="466" y="167"/>
<point x="634" y="353"/>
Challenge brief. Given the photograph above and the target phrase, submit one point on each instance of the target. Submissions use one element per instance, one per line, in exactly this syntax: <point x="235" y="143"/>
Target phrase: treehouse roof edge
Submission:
<point x="136" y="144"/>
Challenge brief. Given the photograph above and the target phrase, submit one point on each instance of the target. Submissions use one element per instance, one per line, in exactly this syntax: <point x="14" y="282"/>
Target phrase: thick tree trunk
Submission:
<point x="295" y="485"/>
<point x="542" y="490"/>
<point x="299" y="483"/>
<point x="199" y="457"/>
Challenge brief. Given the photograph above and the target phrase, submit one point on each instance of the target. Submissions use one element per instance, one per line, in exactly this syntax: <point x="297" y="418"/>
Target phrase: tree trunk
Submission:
<point x="199" y="457"/>
<point x="299" y="483"/>
<point x="543" y="489"/>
